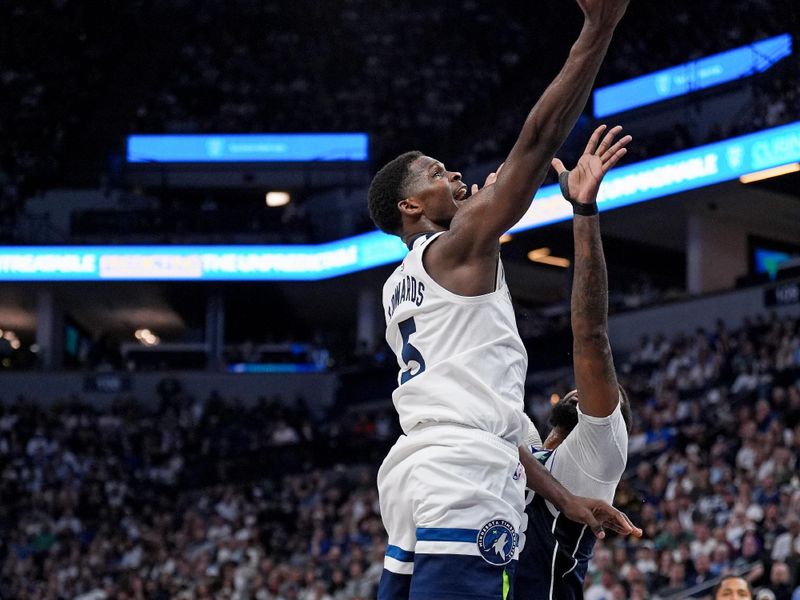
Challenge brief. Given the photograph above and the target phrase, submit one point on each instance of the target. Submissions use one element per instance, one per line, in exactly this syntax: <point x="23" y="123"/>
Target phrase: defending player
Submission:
<point x="452" y="487"/>
<point x="588" y="447"/>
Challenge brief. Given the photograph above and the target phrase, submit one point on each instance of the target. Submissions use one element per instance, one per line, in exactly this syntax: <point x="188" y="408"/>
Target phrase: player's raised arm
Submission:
<point x="497" y="208"/>
<point x="595" y="377"/>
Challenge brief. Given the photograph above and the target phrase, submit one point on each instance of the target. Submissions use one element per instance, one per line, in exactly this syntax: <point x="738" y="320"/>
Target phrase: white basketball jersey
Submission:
<point x="461" y="358"/>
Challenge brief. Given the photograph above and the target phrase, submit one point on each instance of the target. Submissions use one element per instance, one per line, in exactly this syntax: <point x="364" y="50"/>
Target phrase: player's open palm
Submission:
<point x="583" y="182"/>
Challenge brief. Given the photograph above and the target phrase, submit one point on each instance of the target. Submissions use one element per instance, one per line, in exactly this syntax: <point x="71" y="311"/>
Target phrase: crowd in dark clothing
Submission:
<point x="77" y="78"/>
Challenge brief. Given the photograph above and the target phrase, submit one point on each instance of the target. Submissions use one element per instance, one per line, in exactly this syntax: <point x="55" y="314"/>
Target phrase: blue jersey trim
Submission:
<point x="399" y="554"/>
<point x="446" y="534"/>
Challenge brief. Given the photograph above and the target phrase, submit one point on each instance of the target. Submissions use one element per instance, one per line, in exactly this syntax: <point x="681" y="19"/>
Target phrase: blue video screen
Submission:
<point x="248" y="148"/>
<point x="691" y="76"/>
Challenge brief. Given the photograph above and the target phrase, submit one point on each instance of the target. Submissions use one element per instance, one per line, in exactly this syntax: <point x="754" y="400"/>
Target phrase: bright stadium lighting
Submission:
<point x="554" y="261"/>
<point x="770" y="173"/>
<point x="146" y="337"/>
<point x="538" y="253"/>
<point x="278" y="198"/>
<point x="542" y="255"/>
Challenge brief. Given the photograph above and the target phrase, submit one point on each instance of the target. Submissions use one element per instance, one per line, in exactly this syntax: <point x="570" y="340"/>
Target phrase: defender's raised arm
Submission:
<point x="595" y="377"/>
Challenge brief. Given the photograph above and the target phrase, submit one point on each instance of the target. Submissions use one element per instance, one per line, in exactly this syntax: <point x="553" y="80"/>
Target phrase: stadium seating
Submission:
<point x="206" y="498"/>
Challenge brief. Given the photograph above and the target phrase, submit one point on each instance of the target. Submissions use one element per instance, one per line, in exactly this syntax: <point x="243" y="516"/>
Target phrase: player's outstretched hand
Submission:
<point x="490" y="180"/>
<point x="599" y="516"/>
<point x="598" y="158"/>
<point x="605" y="13"/>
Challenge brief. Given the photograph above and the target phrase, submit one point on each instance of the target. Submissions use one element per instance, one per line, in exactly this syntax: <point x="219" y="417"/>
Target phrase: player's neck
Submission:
<point x="409" y="237"/>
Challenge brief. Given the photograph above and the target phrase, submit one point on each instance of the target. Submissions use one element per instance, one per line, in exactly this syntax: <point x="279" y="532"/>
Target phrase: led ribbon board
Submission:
<point x="674" y="173"/>
<point x="199" y="263"/>
<point x="248" y="148"/>
<point x="646" y="180"/>
<point x="691" y="76"/>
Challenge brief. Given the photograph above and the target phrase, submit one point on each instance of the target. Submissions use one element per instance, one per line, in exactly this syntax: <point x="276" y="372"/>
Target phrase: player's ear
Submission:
<point x="410" y="206"/>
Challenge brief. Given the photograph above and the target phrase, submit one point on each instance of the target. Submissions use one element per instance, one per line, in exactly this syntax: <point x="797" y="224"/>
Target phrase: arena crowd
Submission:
<point x="206" y="498"/>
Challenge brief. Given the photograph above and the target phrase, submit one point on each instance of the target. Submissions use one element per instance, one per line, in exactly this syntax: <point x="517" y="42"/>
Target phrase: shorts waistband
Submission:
<point x="434" y="429"/>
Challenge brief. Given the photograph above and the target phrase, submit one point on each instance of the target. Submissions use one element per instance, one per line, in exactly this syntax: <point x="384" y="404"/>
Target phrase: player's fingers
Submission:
<point x="634" y="530"/>
<point x="594" y="524"/>
<point x="624" y="531"/>
<point x="558" y="166"/>
<point x="598" y="531"/>
<point x="614" y="160"/>
<point x="490" y="179"/>
<point x="621" y="143"/>
<point x="474" y="188"/>
<point x="623" y="524"/>
<point x="608" y="140"/>
<point x="616" y="528"/>
<point x="592" y="144"/>
<point x="499" y="168"/>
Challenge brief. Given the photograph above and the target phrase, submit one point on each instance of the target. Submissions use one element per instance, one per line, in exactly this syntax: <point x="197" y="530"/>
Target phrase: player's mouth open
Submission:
<point x="460" y="194"/>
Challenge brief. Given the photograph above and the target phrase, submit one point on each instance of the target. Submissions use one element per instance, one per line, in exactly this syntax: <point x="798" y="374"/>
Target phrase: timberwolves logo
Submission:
<point x="497" y="542"/>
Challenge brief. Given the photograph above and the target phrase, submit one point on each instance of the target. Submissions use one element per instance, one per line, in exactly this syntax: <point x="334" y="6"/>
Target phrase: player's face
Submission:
<point x="438" y="190"/>
<point x="734" y="588"/>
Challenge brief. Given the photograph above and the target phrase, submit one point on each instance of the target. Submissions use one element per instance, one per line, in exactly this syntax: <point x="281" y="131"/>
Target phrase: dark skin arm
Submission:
<point x="595" y="376"/>
<point x="596" y="514"/>
<point x="464" y="259"/>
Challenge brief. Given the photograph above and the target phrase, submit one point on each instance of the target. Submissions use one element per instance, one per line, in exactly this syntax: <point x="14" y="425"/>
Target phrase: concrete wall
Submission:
<point x="626" y="329"/>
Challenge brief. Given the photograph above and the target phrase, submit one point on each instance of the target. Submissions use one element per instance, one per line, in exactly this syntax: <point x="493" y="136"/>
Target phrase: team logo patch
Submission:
<point x="497" y="542"/>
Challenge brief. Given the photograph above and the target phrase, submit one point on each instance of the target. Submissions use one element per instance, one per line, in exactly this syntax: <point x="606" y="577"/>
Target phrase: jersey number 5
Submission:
<point x="410" y="353"/>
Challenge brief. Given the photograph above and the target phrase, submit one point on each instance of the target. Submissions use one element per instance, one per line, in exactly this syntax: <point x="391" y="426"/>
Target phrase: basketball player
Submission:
<point x="452" y="487"/>
<point x="587" y="448"/>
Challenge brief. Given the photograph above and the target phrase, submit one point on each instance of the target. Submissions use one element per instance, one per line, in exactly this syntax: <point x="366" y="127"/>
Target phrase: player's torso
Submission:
<point x="461" y="358"/>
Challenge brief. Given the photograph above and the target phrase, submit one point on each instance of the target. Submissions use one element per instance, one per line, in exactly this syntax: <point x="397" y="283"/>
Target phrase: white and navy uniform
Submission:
<point x="452" y="488"/>
<point x="556" y="553"/>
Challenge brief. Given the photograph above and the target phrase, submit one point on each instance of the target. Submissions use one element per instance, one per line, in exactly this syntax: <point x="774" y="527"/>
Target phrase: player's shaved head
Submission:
<point x="388" y="187"/>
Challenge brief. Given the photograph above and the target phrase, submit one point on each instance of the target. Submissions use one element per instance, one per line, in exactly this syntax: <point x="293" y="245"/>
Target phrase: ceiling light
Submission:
<point x="538" y="253"/>
<point x="554" y="261"/>
<point x="769" y="173"/>
<point x="146" y="337"/>
<point x="542" y="255"/>
<point x="278" y="198"/>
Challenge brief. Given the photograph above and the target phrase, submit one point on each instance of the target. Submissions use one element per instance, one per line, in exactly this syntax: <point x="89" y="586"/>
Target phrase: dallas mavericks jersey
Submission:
<point x="461" y="358"/>
<point x="556" y="556"/>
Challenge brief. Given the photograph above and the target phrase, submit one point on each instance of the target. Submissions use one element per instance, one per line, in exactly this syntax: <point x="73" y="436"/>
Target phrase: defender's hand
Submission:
<point x="599" y="516"/>
<point x="490" y="180"/>
<point x="597" y="159"/>
<point x="606" y="13"/>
